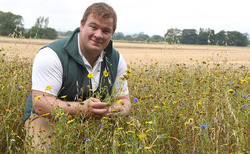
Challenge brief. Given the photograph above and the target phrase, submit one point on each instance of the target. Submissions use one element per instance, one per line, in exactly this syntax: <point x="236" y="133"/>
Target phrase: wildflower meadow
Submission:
<point x="176" y="108"/>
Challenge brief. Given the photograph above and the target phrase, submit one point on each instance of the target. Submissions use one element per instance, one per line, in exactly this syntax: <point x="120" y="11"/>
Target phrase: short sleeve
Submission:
<point x="47" y="71"/>
<point x="121" y="88"/>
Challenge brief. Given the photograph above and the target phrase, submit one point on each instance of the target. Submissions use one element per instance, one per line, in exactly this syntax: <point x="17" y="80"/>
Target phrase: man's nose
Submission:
<point x="98" y="33"/>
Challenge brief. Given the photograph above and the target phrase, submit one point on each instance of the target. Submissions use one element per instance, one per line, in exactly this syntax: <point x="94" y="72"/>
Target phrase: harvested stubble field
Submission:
<point x="146" y="53"/>
<point x="187" y="99"/>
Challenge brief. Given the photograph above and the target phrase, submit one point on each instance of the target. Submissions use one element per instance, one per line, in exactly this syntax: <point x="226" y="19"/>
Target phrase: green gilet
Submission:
<point x="75" y="84"/>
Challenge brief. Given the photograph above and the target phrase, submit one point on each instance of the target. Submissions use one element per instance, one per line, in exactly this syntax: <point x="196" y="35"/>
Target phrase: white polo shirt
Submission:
<point x="48" y="71"/>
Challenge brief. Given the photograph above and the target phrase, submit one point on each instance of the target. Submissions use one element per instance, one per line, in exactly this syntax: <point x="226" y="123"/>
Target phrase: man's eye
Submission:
<point x="106" y="31"/>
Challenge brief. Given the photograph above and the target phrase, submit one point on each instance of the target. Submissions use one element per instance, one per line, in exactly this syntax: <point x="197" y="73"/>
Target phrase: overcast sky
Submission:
<point x="135" y="16"/>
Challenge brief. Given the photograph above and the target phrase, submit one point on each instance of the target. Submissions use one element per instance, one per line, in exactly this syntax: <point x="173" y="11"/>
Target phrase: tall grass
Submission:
<point x="200" y="108"/>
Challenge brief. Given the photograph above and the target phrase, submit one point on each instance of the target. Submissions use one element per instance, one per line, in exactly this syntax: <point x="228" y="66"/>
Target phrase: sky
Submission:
<point x="152" y="17"/>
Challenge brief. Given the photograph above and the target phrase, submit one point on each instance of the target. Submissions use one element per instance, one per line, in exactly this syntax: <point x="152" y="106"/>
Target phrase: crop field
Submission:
<point x="185" y="99"/>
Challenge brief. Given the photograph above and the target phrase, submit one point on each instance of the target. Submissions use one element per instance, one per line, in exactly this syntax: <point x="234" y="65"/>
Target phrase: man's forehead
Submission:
<point x="98" y="17"/>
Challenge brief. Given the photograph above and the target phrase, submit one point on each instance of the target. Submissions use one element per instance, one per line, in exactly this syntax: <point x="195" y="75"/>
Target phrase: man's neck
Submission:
<point x="91" y="59"/>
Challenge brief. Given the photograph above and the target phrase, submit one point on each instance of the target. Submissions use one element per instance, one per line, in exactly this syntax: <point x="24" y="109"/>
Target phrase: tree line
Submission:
<point x="191" y="36"/>
<point x="11" y="24"/>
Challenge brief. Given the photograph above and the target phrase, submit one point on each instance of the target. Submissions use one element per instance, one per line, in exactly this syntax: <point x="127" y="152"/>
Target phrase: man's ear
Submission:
<point x="81" y="23"/>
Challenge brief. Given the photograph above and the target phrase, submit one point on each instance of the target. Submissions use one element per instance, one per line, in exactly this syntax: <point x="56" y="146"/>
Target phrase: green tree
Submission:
<point x="118" y="36"/>
<point x="189" y="36"/>
<point x="155" y="38"/>
<point x="142" y="37"/>
<point x="128" y="37"/>
<point x="206" y="36"/>
<point x="173" y="36"/>
<point x="237" y="38"/>
<point x="220" y="38"/>
<point x="10" y="23"/>
<point x="41" y="30"/>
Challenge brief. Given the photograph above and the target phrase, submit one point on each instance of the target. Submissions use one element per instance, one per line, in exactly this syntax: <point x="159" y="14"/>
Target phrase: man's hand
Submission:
<point x="95" y="108"/>
<point x="120" y="108"/>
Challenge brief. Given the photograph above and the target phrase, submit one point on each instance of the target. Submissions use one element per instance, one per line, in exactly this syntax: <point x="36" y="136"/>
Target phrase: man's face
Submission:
<point x="95" y="34"/>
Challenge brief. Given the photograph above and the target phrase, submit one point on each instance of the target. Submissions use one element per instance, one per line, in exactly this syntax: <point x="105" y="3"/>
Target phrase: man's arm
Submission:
<point x="45" y="103"/>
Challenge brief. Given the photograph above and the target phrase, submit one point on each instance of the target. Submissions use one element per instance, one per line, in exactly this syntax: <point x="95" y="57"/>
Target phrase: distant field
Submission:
<point x="145" y="53"/>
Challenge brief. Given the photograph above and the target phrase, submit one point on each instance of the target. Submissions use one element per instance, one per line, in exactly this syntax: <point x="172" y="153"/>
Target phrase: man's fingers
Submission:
<point x="94" y="99"/>
<point x="97" y="105"/>
<point x="98" y="111"/>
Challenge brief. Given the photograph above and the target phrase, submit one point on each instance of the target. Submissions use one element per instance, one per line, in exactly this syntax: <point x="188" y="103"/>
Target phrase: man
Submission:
<point x="76" y="73"/>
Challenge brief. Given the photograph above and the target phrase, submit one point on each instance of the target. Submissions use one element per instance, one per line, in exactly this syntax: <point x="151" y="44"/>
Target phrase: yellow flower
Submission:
<point x="155" y="63"/>
<point x="38" y="97"/>
<point x="103" y="146"/>
<point x="143" y="137"/>
<point x="149" y="130"/>
<point x="119" y="101"/>
<point x="70" y="121"/>
<point x="147" y="148"/>
<point x="156" y="107"/>
<point x="174" y="102"/>
<point x="104" y="118"/>
<point x="105" y="73"/>
<point x="190" y="120"/>
<point x="230" y="90"/>
<point x="124" y="144"/>
<point x="128" y="72"/>
<point x="120" y="128"/>
<point x="128" y="132"/>
<point x="8" y="110"/>
<point x="199" y="104"/>
<point x="150" y="122"/>
<point x="48" y="88"/>
<point x="45" y="115"/>
<point x="123" y="79"/>
<point x="64" y="96"/>
<point x="90" y="75"/>
<point x="244" y="82"/>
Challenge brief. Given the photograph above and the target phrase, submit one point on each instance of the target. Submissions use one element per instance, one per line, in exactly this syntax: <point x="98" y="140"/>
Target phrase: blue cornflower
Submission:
<point x="26" y="95"/>
<point x="245" y="96"/>
<point x="143" y="88"/>
<point x="19" y="87"/>
<point x="244" y="106"/>
<point x="196" y="151"/>
<point x="182" y="102"/>
<point x="100" y="125"/>
<point x="203" y="126"/>
<point x="149" y="74"/>
<point x="136" y="99"/>
<point x="162" y="136"/>
<point x="130" y="139"/>
<point x="215" y="120"/>
<point x="235" y="94"/>
<point x="49" y="145"/>
<point x="86" y="139"/>
<point x="184" y="83"/>
<point x="77" y="134"/>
